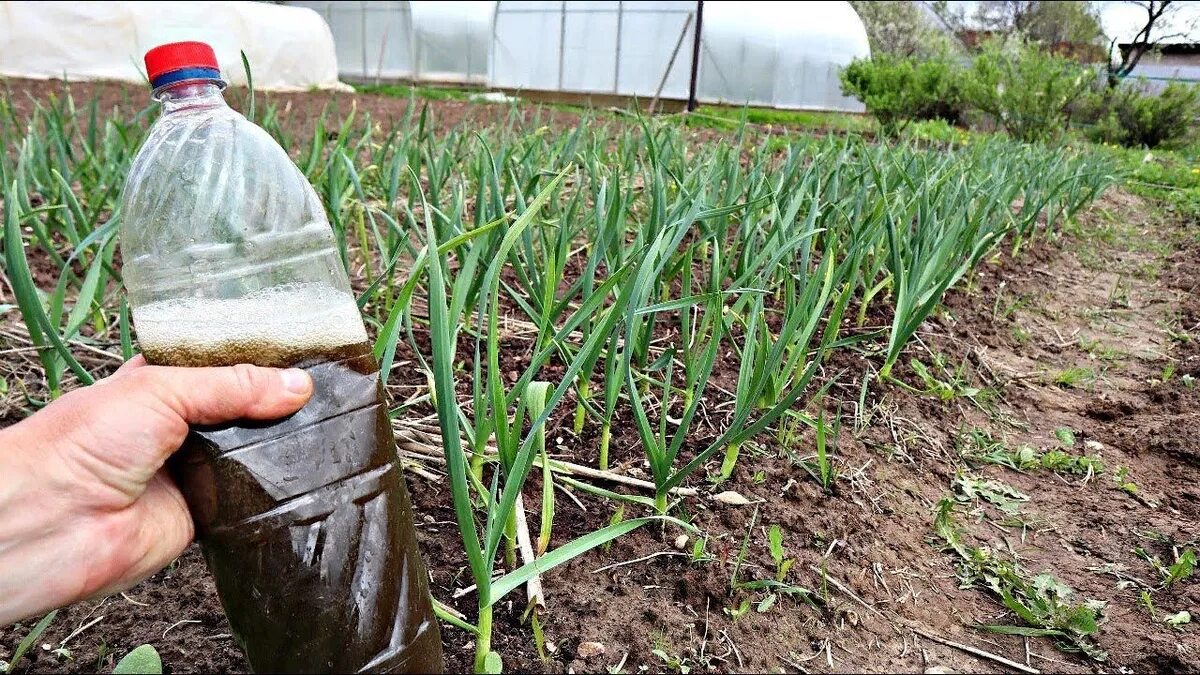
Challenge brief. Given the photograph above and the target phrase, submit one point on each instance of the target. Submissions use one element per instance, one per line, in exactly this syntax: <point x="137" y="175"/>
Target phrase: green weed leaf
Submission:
<point x="143" y="660"/>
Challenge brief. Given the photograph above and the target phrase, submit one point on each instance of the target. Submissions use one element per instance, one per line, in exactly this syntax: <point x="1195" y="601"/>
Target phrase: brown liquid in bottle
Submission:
<point x="306" y="522"/>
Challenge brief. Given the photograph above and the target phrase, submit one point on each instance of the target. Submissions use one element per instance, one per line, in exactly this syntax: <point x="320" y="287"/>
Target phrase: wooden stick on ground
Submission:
<point x="419" y="448"/>
<point x="975" y="651"/>
<point x="926" y="634"/>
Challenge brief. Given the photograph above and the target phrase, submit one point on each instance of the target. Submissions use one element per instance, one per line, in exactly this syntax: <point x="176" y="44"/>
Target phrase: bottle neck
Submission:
<point x="189" y="95"/>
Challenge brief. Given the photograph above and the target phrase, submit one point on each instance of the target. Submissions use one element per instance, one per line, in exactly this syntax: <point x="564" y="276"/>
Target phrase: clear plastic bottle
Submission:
<point x="305" y="523"/>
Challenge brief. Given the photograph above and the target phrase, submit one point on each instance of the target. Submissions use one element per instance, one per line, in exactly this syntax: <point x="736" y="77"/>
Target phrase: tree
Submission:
<point x="902" y="28"/>
<point x="1154" y="31"/>
<point x="952" y="15"/>
<point x="1062" y="26"/>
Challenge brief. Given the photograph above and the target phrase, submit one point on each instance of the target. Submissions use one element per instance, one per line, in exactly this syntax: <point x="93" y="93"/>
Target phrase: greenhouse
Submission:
<point x="784" y="55"/>
<point x="290" y="49"/>
<point x="443" y="42"/>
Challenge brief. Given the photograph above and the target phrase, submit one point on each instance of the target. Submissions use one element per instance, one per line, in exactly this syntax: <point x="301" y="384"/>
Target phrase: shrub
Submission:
<point x="1134" y="117"/>
<point x="897" y="90"/>
<point x="1025" y="90"/>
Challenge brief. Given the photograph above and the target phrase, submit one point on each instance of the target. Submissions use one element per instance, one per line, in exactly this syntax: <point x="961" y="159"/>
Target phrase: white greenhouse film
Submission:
<point x="447" y="42"/>
<point x="289" y="48"/>
<point x="780" y="54"/>
<point x="452" y="40"/>
<point x="777" y="54"/>
<point x="593" y="47"/>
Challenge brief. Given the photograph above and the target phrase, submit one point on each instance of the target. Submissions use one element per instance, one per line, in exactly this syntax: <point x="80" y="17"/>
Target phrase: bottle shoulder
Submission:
<point x="218" y="172"/>
<point x="212" y="193"/>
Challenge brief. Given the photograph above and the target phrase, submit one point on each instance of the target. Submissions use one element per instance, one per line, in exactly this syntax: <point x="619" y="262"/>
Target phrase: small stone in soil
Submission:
<point x="587" y="650"/>
<point x="731" y="498"/>
<point x="681" y="541"/>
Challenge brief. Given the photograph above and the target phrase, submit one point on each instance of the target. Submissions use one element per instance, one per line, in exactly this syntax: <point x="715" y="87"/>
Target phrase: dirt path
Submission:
<point x="1089" y="343"/>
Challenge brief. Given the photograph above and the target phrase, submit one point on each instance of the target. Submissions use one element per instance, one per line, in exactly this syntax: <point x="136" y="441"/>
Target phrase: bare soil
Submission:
<point x="1095" y="333"/>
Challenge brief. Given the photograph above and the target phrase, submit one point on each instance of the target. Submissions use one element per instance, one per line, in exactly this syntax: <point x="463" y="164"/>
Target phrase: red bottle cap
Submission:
<point x="178" y="61"/>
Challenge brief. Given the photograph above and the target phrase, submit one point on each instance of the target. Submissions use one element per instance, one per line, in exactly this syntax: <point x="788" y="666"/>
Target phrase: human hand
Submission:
<point x="86" y="507"/>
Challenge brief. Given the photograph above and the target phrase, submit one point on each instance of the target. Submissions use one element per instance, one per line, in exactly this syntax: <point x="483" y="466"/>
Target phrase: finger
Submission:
<point x="138" y="361"/>
<point x="215" y="395"/>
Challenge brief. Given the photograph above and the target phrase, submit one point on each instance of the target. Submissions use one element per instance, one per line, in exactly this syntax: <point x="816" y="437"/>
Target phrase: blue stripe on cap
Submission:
<point x="185" y="74"/>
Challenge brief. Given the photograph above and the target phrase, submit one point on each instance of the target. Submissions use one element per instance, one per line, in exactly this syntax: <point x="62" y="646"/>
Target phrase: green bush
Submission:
<point x="1025" y="90"/>
<point x="1134" y="118"/>
<point x="898" y="90"/>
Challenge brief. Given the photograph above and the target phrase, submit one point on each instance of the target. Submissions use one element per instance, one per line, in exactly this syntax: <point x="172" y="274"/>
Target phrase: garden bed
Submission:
<point x="1092" y="334"/>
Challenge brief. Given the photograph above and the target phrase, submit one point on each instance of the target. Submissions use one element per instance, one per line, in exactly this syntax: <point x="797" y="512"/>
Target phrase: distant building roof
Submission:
<point x="1159" y="71"/>
<point x="1167" y="48"/>
<point x="1080" y="51"/>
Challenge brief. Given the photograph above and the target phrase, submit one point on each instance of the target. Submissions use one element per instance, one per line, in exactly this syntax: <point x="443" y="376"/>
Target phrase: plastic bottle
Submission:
<point x="305" y="523"/>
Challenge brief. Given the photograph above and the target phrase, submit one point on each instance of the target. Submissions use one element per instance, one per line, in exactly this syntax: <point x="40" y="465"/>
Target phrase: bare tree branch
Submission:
<point x="1158" y="13"/>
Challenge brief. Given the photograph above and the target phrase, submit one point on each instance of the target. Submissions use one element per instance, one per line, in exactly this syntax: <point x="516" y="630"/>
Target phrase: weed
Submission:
<point x="1178" y="619"/>
<point x="1119" y="295"/>
<point x="1005" y="305"/>
<point x="782" y="564"/>
<point x="142" y="659"/>
<point x="1182" y="569"/>
<point x="1168" y="372"/>
<point x="1075" y="377"/>
<point x="1146" y="601"/>
<point x="739" y="611"/>
<point x="1061" y="462"/>
<point x="663" y="651"/>
<point x="1103" y="352"/>
<point x="978" y="445"/>
<point x="1001" y="495"/>
<point x="1121" y="478"/>
<point x="24" y="646"/>
<point x="102" y="653"/>
<point x="1065" y="436"/>
<point x="1044" y="604"/>
<point x="820" y="466"/>
<point x="954" y="386"/>
<point x="1020" y="335"/>
<point x="617" y="517"/>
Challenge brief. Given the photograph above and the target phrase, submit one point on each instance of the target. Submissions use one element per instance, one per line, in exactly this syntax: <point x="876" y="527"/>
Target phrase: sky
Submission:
<point x="1122" y="20"/>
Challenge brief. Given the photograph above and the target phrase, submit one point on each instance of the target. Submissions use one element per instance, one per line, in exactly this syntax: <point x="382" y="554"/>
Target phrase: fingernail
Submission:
<point x="296" y="381"/>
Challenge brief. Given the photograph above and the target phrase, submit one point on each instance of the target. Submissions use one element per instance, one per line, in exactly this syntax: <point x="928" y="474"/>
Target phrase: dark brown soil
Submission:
<point x="1117" y="297"/>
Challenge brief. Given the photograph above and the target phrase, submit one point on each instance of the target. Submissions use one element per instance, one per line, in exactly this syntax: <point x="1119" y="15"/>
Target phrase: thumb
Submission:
<point x="224" y="394"/>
